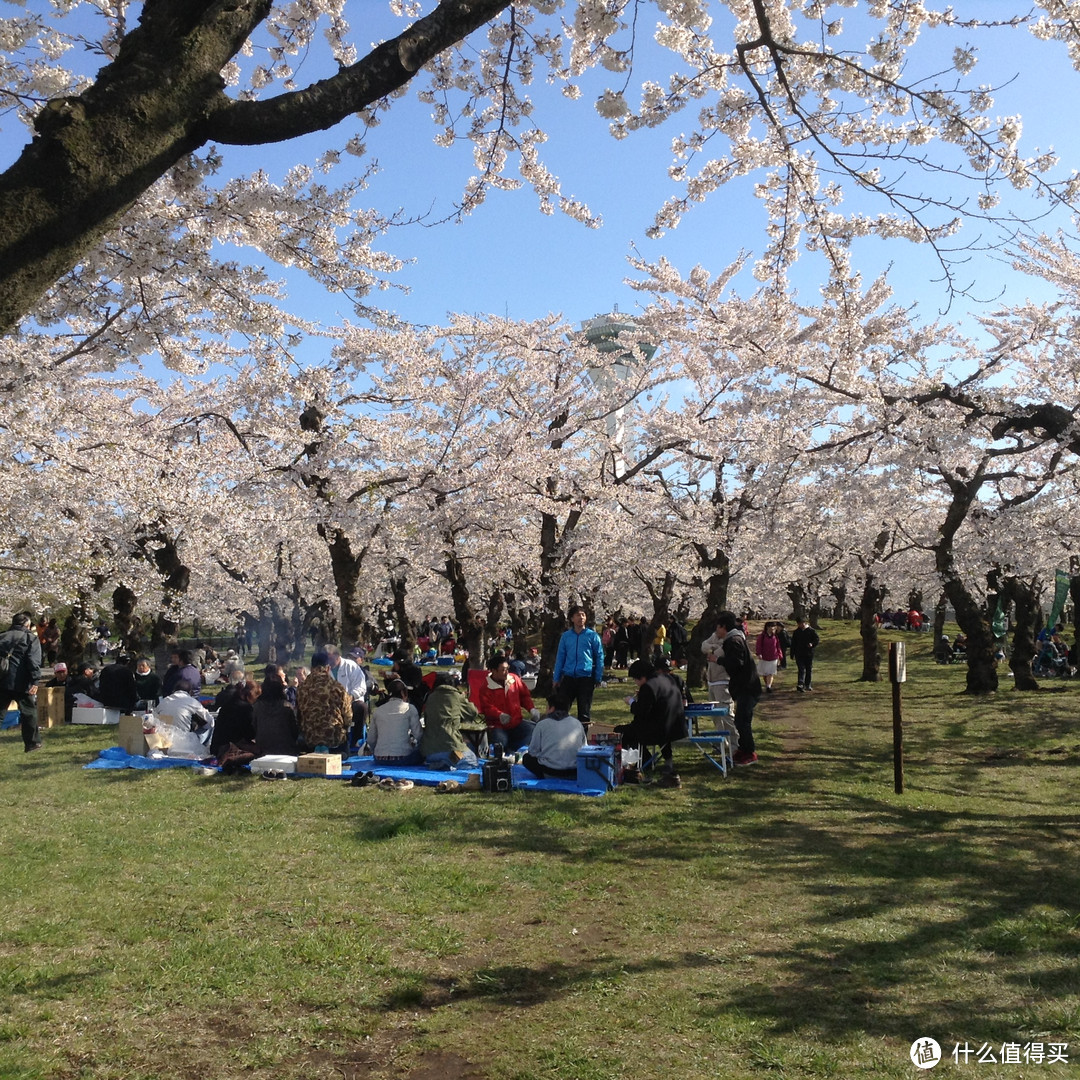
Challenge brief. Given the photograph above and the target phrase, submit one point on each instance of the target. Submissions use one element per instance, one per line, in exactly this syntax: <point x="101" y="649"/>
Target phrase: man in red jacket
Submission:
<point x="504" y="701"/>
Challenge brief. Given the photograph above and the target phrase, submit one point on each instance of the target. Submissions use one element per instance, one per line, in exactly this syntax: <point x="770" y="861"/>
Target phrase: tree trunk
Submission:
<point x="405" y="627"/>
<point x="346" y="566"/>
<point x="661" y="603"/>
<point x="715" y="586"/>
<point x="839" y="593"/>
<point x="75" y="635"/>
<point x="872" y="596"/>
<point x="940" y="609"/>
<point x="800" y="606"/>
<point x="1023" y="596"/>
<point x="470" y="622"/>
<point x="157" y="543"/>
<point x="518" y="618"/>
<point x="124" y="601"/>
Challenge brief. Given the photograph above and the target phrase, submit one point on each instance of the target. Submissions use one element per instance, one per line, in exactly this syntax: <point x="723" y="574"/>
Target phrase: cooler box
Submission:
<point x="596" y="768"/>
<point x="273" y="763"/>
<point x="613" y="739"/>
<point x="445" y="661"/>
<point x="82" y="714"/>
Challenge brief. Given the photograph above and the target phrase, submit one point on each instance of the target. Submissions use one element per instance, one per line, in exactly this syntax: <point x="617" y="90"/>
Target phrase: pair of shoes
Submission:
<point x="273" y="774"/>
<point x="448" y="787"/>
<point x="363" y="779"/>
<point x="403" y="785"/>
<point x="32" y="747"/>
<point x="743" y="758"/>
<point x="799" y="689"/>
<point x="670" y="779"/>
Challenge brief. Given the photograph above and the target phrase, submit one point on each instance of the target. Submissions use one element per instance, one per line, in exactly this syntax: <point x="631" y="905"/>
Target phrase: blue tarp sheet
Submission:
<point x="115" y="757"/>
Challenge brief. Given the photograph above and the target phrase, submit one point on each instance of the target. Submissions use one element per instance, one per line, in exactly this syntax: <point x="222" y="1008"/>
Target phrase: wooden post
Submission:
<point x="897" y="675"/>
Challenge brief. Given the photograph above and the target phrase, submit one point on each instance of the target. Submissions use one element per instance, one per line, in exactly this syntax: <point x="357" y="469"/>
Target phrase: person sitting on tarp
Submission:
<point x="116" y="685"/>
<point x="186" y="713"/>
<point x="503" y="700"/>
<point x="445" y="710"/>
<point x="555" y="741"/>
<point x="81" y="688"/>
<point x="394" y="732"/>
<point x="147" y="681"/>
<point x="234" y="721"/>
<point x="324" y="708"/>
<point x="275" y="718"/>
<point x="659" y="716"/>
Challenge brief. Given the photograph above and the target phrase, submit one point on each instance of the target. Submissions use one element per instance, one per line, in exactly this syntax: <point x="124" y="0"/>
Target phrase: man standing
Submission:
<point x="350" y="675"/>
<point x="804" y="642"/>
<point x="579" y="664"/>
<point x="743" y="682"/>
<point x="21" y="649"/>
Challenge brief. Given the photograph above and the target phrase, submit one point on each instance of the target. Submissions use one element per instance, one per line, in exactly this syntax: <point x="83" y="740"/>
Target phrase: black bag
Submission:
<point x="497" y="774"/>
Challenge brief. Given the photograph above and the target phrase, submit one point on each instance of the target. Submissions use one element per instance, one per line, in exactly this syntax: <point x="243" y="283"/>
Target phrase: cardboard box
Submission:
<point x="136" y="740"/>
<point x="601" y="729"/>
<point x="50" y="706"/>
<point x="318" y="765"/>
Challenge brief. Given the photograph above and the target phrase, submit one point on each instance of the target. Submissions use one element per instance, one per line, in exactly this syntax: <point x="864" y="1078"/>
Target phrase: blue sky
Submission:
<point x="509" y="259"/>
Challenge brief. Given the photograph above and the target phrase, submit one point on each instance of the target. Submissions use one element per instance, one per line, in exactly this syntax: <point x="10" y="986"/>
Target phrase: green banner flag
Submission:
<point x="999" y="626"/>
<point x="1061" y="594"/>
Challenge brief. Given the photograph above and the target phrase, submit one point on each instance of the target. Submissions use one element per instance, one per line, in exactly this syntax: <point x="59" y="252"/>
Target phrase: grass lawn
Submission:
<point x="797" y="919"/>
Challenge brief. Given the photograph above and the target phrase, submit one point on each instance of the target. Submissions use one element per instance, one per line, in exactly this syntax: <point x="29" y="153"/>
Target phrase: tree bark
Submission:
<point x="124" y="601"/>
<point x="405" y="628"/>
<point x="160" y="99"/>
<point x="469" y="620"/>
<point x="982" y="677"/>
<point x="872" y="596"/>
<point x="716" y="597"/>
<point x="1023" y="596"/>
<point x="346" y="566"/>
<point x="800" y="605"/>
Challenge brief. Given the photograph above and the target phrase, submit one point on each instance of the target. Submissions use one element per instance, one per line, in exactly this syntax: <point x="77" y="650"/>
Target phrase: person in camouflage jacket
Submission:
<point x="324" y="707"/>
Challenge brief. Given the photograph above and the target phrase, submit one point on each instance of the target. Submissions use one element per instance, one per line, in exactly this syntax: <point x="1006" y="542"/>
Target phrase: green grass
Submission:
<point x="798" y="919"/>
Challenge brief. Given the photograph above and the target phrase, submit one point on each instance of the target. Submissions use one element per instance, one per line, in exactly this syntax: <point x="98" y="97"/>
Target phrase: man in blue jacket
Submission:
<point x="579" y="664"/>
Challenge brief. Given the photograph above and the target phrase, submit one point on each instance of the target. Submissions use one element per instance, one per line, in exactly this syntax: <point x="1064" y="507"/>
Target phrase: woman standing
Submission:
<point x="767" y="649"/>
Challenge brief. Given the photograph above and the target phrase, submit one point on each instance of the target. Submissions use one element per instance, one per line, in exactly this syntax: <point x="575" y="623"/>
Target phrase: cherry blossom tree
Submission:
<point x="815" y="107"/>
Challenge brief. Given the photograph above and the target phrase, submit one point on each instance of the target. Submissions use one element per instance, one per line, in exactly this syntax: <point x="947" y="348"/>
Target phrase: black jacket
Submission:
<point x="116" y="687"/>
<point x="804" y="642"/>
<point x="743" y="678"/>
<point x="659" y="714"/>
<point x="23" y="651"/>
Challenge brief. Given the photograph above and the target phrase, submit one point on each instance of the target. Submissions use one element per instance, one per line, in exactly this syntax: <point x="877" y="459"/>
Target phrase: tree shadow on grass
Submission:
<point x="517" y="986"/>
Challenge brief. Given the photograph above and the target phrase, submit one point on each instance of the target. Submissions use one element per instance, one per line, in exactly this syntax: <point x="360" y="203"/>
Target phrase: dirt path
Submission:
<point x="784" y="712"/>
